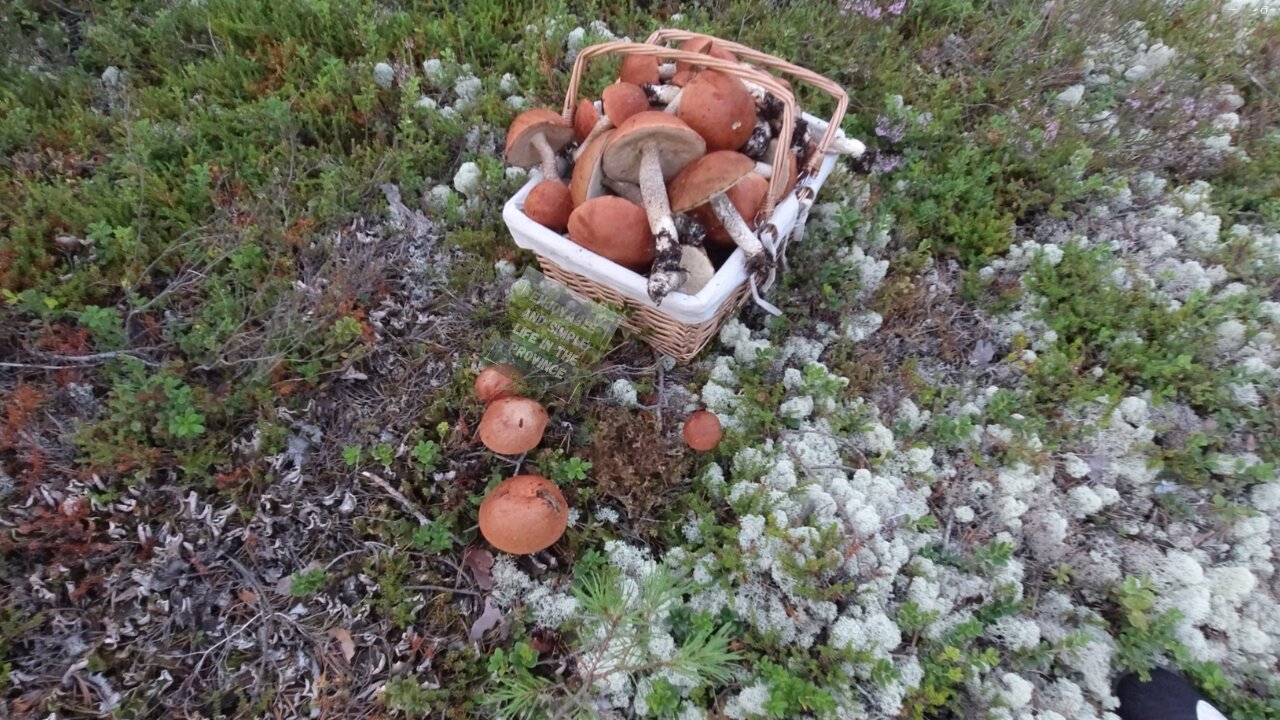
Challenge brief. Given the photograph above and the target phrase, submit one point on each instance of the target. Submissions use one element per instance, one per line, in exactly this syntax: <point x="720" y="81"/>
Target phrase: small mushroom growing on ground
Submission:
<point x="706" y="182"/>
<point x="533" y="139"/>
<point x="513" y="425"/>
<point x="614" y="228"/>
<point x="523" y="515"/>
<point x="497" y="381"/>
<point x="621" y="100"/>
<point x="719" y="108"/>
<point x="649" y="149"/>
<point x="702" y="431"/>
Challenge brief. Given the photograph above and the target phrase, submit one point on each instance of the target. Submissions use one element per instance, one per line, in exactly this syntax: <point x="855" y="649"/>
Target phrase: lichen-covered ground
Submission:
<point x="1014" y="435"/>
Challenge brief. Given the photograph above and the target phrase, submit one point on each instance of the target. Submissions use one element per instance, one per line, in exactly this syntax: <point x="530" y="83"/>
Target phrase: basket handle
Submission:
<point x="770" y="83"/>
<point x="830" y="87"/>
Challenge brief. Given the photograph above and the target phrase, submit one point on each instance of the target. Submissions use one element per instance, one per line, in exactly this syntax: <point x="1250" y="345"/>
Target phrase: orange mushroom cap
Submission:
<point x="720" y="108"/>
<point x="587" y="174"/>
<point x="702" y="431"/>
<point x="671" y="138"/>
<point x="703" y="46"/>
<point x="614" y="228"/>
<point x="523" y="515"/>
<point x="639" y="69"/>
<point x="513" y="425"/>
<point x="584" y="118"/>
<point x="497" y="381"/>
<point x="520" y="151"/>
<point x="549" y="204"/>
<point x="707" y="177"/>
<point x="621" y="100"/>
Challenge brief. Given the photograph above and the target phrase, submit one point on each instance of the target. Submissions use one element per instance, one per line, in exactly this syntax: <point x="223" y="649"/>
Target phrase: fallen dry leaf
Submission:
<point x="343" y="636"/>
<point x="487" y="621"/>
<point x="479" y="561"/>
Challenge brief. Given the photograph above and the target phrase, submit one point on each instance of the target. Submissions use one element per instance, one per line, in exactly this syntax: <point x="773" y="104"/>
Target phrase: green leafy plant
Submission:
<point x="351" y="455"/>
<point x="406" y="695"/>
<point x="613" y="628"/>
<point x="433" y="537"/>
<point x="571" y="470"/>
<point x="792" y="695"/>
<point x="306" y="583"/>
<point x="427" y="453"/>
<point x="384" y="454"/>
<point x="105" y="324"/>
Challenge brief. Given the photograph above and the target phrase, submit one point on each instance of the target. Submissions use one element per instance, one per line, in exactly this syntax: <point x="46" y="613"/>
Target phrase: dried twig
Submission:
<point x="77" y="361"/>
<point x="443" y="589"/>
<point x="396" y="494"/>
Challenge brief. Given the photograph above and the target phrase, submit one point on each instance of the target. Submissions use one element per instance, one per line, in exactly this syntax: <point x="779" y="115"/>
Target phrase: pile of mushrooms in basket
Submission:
<point x="667" y="171"/>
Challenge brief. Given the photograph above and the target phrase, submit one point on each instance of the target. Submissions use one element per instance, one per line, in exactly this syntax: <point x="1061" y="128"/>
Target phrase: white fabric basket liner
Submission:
<point x="688" y="309"/>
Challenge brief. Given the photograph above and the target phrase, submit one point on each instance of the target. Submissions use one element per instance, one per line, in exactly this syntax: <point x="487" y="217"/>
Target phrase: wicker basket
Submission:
<point x="684" y="324"/>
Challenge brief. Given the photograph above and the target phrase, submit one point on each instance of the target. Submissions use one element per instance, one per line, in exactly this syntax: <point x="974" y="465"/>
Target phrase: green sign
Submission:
<point x="555" y="333"/>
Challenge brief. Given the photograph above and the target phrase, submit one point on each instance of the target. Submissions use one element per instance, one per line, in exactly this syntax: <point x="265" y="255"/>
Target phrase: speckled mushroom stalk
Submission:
<point x="533" y="139"/>
<point x="649" y="149"/>
<point x="665" y="95"/>
<point x="693" y="254"/>
<point x="668" y="274"/>
<point x="707" y="181"/>
<point x="546" y="157"/>
<point x="757" y="146"/>
<point x="691" y="231"/>
<point x="630" y="191"/>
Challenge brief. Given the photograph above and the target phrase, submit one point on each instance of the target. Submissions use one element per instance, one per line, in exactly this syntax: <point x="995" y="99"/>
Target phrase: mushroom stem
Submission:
<point x="769" y="107"/>
<point x="757" y="261"/>
<point x="666" y="275"/>
<point x="666" y="71"/>
<point x="626" y="190"/>
<point x="661" y="94"/>
<point x="691" y="231"/>
<point x="764" y="170"/>
<point x="757" y="146"/>
<point x="548" y="156"/>
<point x="603" y="124"/>
<point x="842" y="145"/>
